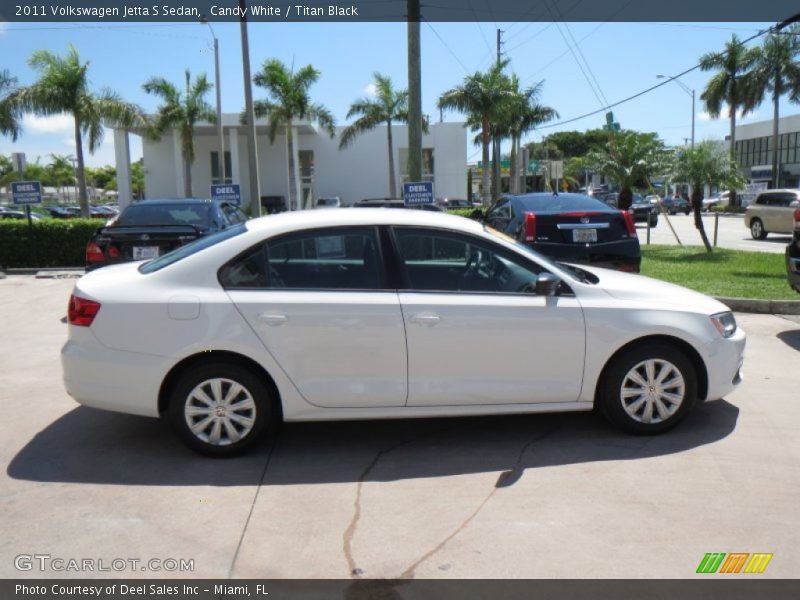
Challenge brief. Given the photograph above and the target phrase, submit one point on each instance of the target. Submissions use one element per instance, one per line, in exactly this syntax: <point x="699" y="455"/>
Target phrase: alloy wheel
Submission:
<point x="652" y="391"/>
<point x="220" y="411"/>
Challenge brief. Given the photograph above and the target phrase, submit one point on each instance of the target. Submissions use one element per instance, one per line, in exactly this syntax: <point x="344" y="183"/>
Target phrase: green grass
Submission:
<point x="730" y="273"/>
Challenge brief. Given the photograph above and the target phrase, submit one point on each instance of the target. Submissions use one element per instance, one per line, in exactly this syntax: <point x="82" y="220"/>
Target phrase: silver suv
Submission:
<point x="772" y="212"/>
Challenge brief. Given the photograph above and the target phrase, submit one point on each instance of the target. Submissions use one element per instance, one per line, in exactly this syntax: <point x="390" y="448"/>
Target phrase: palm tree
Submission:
<point x="522" y="115"/>
<point x="63" y="87"/>
<point x="289" y="101"/>
<point x="389" y="105"/>
<point x="632" y="160"/>
<point x="731" y="85"/>
<point x="9" y="117"/>
<point x="181" y="111"/>
<point x="61" y="172"/>
<point x="480" y="97"/>
<point x="778" y="73"/>
<point x="705" y="164"/>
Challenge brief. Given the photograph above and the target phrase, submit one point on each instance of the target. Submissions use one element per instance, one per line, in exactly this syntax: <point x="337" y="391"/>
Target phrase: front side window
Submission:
<point x="338" y="258"/>
<point x="450" y="262"/>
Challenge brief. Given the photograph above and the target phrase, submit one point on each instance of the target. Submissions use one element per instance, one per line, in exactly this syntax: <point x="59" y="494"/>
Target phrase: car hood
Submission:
<point x="654" y="292"/>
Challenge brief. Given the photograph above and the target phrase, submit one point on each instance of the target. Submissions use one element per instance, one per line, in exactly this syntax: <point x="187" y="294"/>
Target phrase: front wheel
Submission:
<point x="648" y="389"/>
<point x="218" y="409"/>
<point x="757" y="229"/>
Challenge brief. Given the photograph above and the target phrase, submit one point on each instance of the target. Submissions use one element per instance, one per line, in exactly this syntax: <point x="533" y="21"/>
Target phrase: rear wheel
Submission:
<point x="653" y="220"/>
<point x="219" y="409"/>
<point x="757" y="229"/>
<point x="648" y="389"/>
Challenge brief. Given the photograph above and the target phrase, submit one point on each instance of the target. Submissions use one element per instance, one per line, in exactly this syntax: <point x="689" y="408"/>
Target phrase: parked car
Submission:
<point x="60" y="212"/>
<point x="772" y="212"/>
<point x="456" y="203"/>
<point x="653" y="199"/>
<point x="150" y="228"/>
<point x="675" y="204"/>
<point x="721" y="199"/>
<point x="18" y="214"/>
<point x="346" y="314"/>
<point x="793" y="254"/>
<point x="644" y="211"/>
<point x="570" y="227"/>
<point x="329" y="202"/>
<point x="392" y="203"/>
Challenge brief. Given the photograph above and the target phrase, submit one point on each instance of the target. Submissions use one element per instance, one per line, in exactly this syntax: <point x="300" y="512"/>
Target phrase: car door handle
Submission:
<point x="274" y="319"/>
<point x="425" y="319"/>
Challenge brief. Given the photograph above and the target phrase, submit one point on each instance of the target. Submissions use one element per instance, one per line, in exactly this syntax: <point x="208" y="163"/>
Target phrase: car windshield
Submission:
<point x="560" y="203"/>
<point x="194" y="247"/>
<point x="166" y="214"/>
<point x="574" y="272"/>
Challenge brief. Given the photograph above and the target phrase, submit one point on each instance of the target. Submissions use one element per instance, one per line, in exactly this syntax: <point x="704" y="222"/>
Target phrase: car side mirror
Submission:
<point x="547" y="284"/>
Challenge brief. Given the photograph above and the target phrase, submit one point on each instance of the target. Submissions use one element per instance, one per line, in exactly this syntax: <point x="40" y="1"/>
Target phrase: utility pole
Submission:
<point x="220" y="137"/>
<point x="414" y="94"/>
<point x="496" y="163"/>
<point x="252" y="151"/>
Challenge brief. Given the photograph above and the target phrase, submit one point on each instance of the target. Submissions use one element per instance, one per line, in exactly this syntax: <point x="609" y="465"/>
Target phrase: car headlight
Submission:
<point x="725" y="323"/>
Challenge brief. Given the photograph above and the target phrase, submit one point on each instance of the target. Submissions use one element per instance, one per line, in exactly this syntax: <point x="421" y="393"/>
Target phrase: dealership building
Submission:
<point x="753" y="151"/>
<point x="359" y="171"/>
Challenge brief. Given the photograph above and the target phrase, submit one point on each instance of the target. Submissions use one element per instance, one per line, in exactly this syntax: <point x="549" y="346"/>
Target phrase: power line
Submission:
<point x="436" y="33"/>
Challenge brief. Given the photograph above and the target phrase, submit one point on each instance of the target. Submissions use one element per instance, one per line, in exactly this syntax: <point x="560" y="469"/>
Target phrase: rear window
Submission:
<point x="194" y="247"/>
<point x="166" y="214"/>
<point x="561" y="203"/>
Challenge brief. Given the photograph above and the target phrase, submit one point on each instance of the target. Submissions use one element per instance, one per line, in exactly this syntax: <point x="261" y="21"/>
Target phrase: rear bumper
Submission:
<point x="623" y="255"/>
<point x="109" y="379"/>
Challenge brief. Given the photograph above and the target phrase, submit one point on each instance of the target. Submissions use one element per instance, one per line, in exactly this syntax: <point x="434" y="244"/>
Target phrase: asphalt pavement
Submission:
<point x="539" y="496"/>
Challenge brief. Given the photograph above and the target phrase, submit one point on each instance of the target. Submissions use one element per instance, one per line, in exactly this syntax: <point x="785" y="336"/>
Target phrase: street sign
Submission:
<point x="227" y="192"/>
<point x="26" y="192"/>
<point x="417" y="194"/>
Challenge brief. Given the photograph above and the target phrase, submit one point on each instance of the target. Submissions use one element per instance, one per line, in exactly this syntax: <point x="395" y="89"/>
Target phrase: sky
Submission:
<point x="623" y="58"/>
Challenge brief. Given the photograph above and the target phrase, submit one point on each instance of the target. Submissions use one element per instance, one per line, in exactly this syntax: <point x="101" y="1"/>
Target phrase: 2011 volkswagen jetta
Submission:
<point x="364" y="314"/>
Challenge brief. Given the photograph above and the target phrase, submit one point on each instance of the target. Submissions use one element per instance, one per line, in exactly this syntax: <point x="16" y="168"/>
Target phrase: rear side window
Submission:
<point x="246" y="271"/>
<point x="338" y="258"/>
<point x="191" y="248"/>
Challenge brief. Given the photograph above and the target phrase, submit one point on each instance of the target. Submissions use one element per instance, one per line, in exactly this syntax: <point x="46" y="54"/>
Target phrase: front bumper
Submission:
<point x="724" y="358"/>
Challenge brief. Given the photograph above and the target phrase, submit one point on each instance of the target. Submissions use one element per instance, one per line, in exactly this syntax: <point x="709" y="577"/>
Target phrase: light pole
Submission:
<point x="686" y="89"/>
<point x="221" y="138"/>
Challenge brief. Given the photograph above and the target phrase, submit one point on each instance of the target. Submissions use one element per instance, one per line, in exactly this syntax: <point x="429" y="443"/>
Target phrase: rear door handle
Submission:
<point x="274" y="319"/>
<point x="428" y="319"/>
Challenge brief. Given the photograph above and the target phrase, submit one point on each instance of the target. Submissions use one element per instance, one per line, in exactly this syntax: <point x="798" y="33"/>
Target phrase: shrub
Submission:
<point x="48" y="243"/>
<point x="727" y="209"/>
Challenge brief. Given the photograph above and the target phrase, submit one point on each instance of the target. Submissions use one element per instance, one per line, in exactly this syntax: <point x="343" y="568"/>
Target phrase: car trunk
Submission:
<point x="581" y="228"/>
<point x="132" y="242"/>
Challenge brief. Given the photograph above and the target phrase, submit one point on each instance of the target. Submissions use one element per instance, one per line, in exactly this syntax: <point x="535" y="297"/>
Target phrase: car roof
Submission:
<point x="157" y="201"/>
<point x="308" y="219"/>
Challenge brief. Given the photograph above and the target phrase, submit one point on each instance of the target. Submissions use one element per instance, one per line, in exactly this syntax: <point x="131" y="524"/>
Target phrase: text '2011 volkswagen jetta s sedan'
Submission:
<point x="365" y="314"/>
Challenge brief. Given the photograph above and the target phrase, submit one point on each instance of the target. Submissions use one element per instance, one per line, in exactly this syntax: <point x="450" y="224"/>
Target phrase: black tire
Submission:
<point x="653" y="221"/>
<point x="612" y="404"/>
<point x="687" y="211"/>
<point x="757" y="229"/>
<point x="247" y="422"/>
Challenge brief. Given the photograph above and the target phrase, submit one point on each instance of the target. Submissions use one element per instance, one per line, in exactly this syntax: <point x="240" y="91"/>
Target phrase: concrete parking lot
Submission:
<point x="731" y="233"/>
<point x="537" y="496"/>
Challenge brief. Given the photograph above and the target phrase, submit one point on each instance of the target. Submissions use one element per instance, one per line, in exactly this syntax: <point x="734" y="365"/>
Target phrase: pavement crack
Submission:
<point x="349" y="533"/>
<point x="253" y="504"/>
<point x="506" y="479"/>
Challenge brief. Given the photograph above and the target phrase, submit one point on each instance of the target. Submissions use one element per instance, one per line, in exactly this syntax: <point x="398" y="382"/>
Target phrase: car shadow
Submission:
<point x="791" y="338"/>
<point x="93" y="446"/>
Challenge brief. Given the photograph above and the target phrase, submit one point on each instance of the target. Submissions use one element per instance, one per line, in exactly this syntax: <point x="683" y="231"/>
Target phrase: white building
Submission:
<point x="753" y="151"/>
<point x="359" y="171"/>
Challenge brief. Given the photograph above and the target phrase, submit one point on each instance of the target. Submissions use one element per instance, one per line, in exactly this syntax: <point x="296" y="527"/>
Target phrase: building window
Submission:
<point x="215" y="175"/>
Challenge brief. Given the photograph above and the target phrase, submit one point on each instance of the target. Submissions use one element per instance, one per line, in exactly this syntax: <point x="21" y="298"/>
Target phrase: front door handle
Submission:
<point x="428" y="319"/>
<point x="274" y="319"/>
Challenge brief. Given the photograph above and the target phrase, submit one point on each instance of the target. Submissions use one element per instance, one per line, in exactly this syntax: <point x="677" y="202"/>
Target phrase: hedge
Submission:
<point x="48" y="243"/>
<point x="470" y="213"/>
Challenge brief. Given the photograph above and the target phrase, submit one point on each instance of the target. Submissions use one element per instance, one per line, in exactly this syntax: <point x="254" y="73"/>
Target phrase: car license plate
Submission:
<point x="144" y="252"/>
<point x="584" y="235"/>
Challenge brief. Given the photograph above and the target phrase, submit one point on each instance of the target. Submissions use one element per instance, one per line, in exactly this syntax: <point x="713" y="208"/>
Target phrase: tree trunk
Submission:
<point x="486" y="195"/>
<point x="82" y="199"/>
<point x="292" y="182"/>
<point x="697" y="205"/>
<point x="392" y="181"/>
<point x="625" y="198"/>
<point x="733" y="200"/>
<point x="513" y="181"/>
<point x="775" y="149"/>
<point x="187" y="178"/>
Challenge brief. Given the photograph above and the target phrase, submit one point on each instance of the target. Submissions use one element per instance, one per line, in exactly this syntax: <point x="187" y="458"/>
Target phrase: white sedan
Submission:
<point x="384" y="313"/>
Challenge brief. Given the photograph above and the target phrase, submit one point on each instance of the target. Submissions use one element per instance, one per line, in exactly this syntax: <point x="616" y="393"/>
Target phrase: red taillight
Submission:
<point x="81" y="312"/>
<point x="113" y="252"/>
<point x="797" y="219"/>
<point x="530" y="227"/>
<point x="631" y="226"/>
<point x="94" y="253"/>
<point x="627" y="268"/>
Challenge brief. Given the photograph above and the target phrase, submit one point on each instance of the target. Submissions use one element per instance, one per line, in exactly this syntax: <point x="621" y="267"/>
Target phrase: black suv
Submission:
<point x="150" y="228"/>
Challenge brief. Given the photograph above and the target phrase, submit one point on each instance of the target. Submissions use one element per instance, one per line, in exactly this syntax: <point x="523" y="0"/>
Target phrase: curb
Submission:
<point x="43" y="273"/>
<point x="762" y="307"/>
